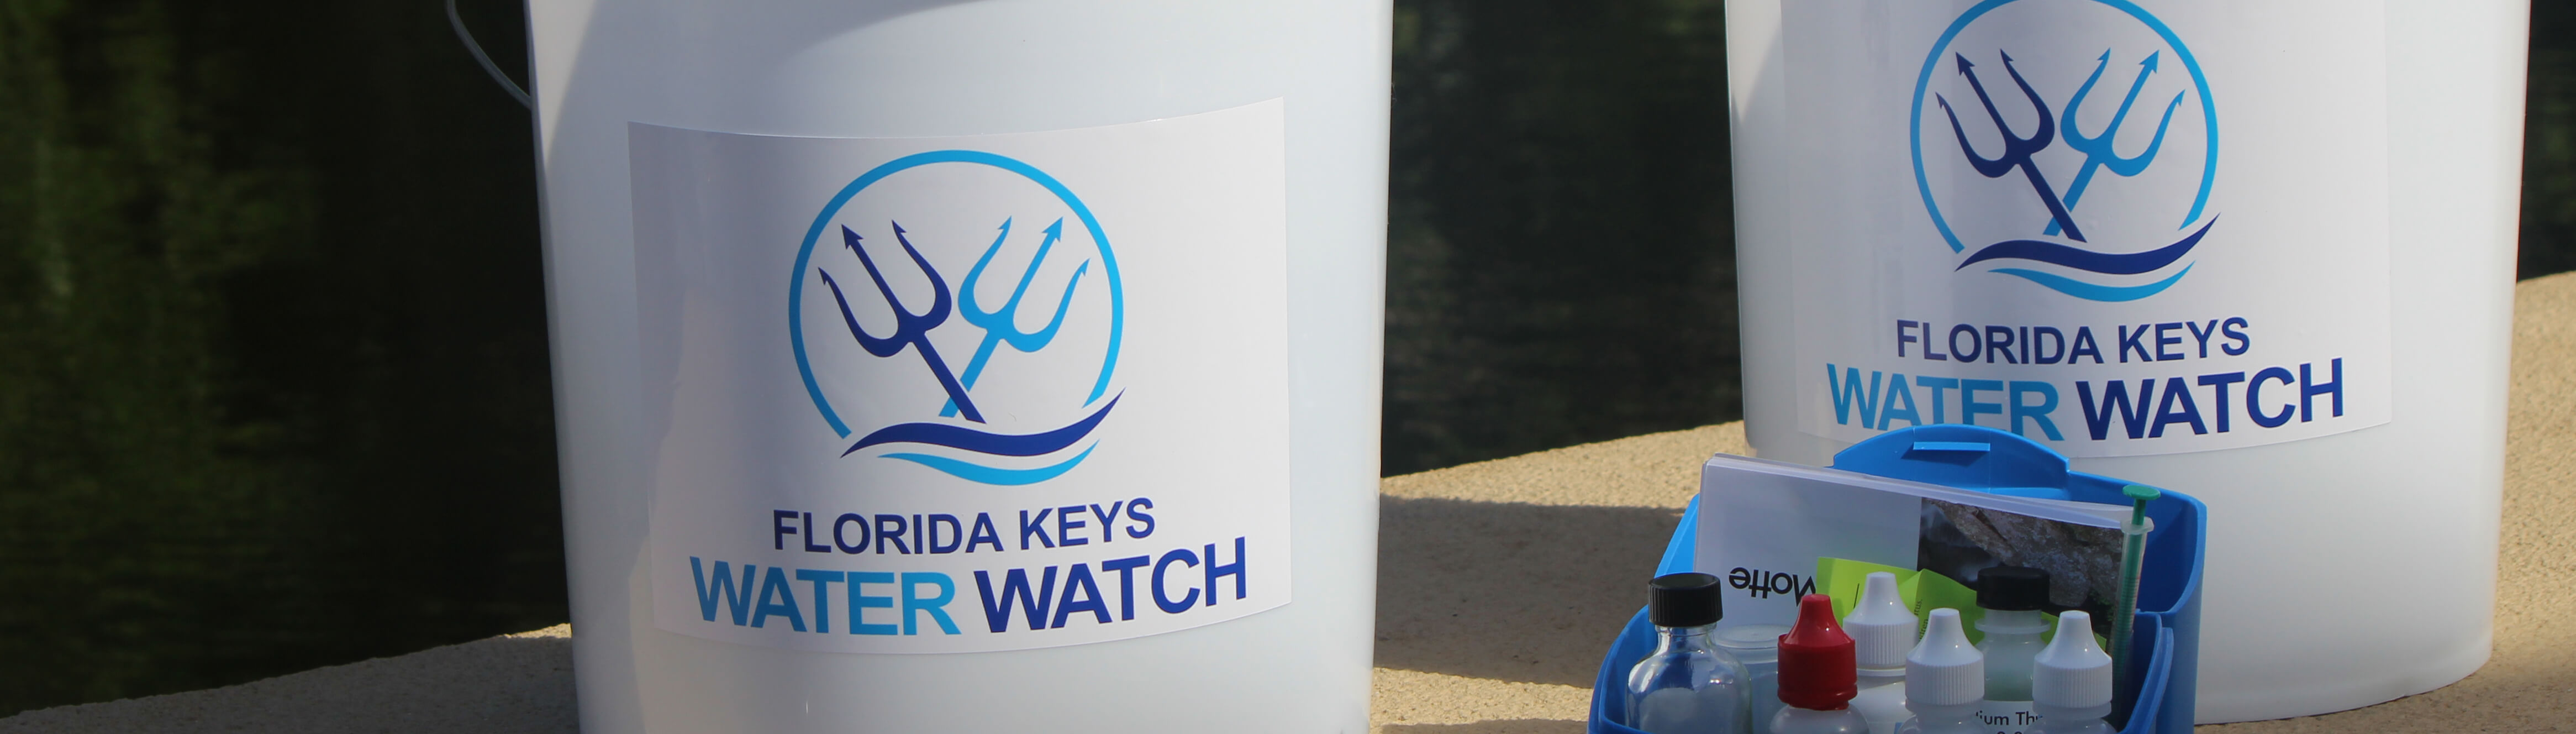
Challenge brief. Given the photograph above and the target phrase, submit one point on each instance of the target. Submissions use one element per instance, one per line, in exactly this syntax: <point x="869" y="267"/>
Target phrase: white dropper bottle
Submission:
<point x="1945" y="679"/>
<point x="2070" y="681"/>
<point x="1882" y="631"/>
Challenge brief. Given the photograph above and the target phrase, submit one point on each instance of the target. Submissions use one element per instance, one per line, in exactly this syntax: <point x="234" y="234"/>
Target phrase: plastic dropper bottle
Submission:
<point x="1816" y="675"/>
<point x="2070" y="686"/>
<point x="1758" y="647"/>
<point x="1687" y="685"/>
<point x="1945" y="679"/>
<point x="1882" y="631"/>
<point x="2011" y="597"/>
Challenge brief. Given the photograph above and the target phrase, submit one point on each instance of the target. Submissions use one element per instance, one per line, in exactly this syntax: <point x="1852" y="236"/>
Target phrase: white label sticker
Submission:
<point x="922" y="395"/>
<point x="2115" y="230"/>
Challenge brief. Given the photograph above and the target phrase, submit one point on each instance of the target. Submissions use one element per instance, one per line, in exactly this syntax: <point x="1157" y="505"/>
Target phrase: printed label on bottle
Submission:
<point x="927" y="395"/>
<point x="2007" y="717"/>
<point x="2113" y="230"/>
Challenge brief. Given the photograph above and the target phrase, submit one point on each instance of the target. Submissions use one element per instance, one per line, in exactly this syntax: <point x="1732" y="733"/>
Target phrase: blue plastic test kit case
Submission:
<point x="1989" y="460"/>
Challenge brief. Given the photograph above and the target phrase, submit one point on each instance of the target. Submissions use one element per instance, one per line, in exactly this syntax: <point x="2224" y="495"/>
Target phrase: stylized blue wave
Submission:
<point x="990" y="475"/>
<point x="2088" y="260"/>
<point x="2092" y="292"/>
<point x="998" y="444"/>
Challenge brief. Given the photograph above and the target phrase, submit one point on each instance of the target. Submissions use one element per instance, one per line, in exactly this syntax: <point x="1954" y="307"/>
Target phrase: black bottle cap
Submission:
<point x="1684" y="600"/>
<point x="2012" y="588"/>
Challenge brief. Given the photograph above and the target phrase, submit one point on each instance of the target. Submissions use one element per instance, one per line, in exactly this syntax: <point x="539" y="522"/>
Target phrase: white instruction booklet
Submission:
<point x="1776" y="531"/>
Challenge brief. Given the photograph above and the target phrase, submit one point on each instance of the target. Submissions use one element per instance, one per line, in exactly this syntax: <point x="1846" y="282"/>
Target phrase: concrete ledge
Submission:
<point x="1584" y="524"/>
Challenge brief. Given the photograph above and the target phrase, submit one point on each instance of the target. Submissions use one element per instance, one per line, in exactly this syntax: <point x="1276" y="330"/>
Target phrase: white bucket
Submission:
<point x="782" y="447"/>
<point x="2350" y="170"/>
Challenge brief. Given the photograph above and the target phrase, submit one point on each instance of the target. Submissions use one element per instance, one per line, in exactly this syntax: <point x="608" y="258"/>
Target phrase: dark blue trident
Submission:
<point x="2097" y="150"/>
<point x="1002" y="326"/>
<point x="910" y="329"/>
<point x="2017" y="149"/>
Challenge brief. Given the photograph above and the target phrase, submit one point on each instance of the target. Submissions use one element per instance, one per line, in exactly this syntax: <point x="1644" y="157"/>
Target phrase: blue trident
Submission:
<point x="2098" y="153"/>
<point x="2017" y="150"/>
<point x="910" y="329"/>
<point x="1002" y="326"/>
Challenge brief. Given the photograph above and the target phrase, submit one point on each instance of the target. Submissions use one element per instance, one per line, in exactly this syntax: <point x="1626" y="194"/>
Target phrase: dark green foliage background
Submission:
<point x="1559" y="260"/>
<point x="2549" y="143"/>
<point x="273" y="387"/>
<point x="273" y="381"/>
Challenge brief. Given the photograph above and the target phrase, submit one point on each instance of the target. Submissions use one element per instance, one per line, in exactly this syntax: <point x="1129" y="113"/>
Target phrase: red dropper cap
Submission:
<point x="1817" y="667"/>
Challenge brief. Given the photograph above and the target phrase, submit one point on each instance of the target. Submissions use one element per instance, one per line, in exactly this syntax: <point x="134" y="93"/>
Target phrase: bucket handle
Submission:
<point x="458" y="23"/>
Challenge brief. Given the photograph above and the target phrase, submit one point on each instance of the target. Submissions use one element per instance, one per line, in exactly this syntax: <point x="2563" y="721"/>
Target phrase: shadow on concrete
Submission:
<point x="1515" y="592"/>
<point x="1506" y="726"/>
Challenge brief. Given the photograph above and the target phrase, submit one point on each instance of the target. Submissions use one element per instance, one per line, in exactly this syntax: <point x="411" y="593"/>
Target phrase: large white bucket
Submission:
<point x="967" y="366"/>
<point x="2299" y="215"/>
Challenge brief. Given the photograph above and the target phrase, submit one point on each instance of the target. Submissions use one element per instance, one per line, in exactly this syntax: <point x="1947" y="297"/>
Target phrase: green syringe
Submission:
<point x="2132" y="557"/>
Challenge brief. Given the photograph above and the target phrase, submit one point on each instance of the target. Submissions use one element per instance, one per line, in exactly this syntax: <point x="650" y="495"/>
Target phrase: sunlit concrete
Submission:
<point x="1501" y="582"/>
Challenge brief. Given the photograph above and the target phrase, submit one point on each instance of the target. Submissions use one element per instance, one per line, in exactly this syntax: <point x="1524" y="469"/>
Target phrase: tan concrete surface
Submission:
<point x="1547" y="551"/>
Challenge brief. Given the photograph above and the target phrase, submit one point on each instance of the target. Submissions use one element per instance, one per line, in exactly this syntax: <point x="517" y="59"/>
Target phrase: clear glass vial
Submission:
<point x="1688" y="685"/>
<point x="1758" y="647"/>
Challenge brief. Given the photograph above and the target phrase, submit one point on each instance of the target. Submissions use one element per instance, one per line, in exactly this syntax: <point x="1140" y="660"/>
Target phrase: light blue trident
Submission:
<point x="1002" y="326"/>
<point x="2097" y="150"/>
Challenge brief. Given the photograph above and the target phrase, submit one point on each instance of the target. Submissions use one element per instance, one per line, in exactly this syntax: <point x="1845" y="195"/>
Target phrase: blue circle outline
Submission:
<point x="805" y="254"/>
<point x="1923" y="81"/>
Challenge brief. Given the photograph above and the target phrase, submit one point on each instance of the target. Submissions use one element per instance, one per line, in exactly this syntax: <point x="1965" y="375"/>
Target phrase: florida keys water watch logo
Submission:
<point x="2003" y="162"/>
<point x="889" y="284"/>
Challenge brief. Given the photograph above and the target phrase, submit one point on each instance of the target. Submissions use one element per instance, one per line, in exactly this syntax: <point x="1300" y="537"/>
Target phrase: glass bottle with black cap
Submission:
<point x="1688" y="685"/>
<point x="2012" y="598"/>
